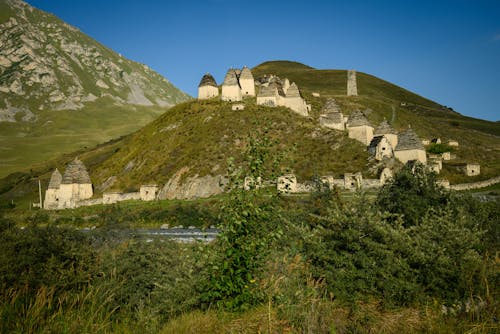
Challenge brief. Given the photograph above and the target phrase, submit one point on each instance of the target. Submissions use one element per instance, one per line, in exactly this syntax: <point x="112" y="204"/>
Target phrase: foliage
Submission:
<point x="439" y="148"/>
<point x="411" y="193"/>
<point x="249" y="225"/>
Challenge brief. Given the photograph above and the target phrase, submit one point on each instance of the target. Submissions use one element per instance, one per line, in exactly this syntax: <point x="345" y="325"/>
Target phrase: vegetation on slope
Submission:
<point x="314" y="264"/>
<point x="201" y="135"/>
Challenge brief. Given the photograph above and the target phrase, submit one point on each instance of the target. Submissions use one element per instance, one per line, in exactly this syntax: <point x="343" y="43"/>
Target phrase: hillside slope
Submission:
<point x="60" y="90"/>
<point x="197" y="137"/>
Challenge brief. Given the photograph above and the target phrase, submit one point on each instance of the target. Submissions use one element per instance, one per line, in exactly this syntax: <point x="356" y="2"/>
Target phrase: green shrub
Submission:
<point x="411" y="193"/>
<point x="439" y="148"/>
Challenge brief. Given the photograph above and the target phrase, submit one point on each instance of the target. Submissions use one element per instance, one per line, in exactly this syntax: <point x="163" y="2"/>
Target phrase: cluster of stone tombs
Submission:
<point x="74" y="189"/>
<point x="241" y="83"/>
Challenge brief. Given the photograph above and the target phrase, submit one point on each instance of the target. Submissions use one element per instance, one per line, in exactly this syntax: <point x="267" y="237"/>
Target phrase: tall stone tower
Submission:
<point x="352" y="87"/>
<point x="247" y="82"/>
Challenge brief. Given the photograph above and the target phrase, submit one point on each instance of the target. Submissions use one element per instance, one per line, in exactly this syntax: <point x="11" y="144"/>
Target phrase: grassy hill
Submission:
<point x="201" y="135"/>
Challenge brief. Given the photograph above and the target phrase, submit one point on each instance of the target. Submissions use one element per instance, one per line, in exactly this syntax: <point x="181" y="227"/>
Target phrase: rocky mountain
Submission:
<point x="46" y="64"/>
<point x="56" y="81"/>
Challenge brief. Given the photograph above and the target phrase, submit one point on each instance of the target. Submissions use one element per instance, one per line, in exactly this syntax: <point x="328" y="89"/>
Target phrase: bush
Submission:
<point x="411" y="193"/>
<point x="439" y="148"/>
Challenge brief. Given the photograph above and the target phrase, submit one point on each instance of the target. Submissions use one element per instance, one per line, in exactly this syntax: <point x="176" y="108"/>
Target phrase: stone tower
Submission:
<point x="352" y="87"/>
<point x="410" y="147"/>
<point x="359" y="128"/>
<point x="51" y="195"/>
<point x="207" y="87"/>
<point x="384" y="129"/>
<point x="247" y="82"/>
<point x="231" y="90"/>
<point x="294" y="100"/>
<point x="75" y="185"/>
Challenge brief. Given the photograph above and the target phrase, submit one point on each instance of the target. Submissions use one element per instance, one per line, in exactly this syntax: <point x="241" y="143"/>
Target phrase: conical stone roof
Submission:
<point x="408" y="140"/>
<point x="208" y="80"/>
<point x="330" y="107"/>
<point x="293" y="91"/>
<point x="76" y="173"/>
<point x="246" y="73"/>
<point x="357" y="118"/>
<point x="384" y="128"/>
<point x="230" y="79"/>
<point x="55" y="180"/>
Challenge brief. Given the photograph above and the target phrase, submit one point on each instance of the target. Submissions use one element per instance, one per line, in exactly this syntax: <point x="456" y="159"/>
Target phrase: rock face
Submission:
<point x="46" y="64"/>
<point x="191" y="187"/>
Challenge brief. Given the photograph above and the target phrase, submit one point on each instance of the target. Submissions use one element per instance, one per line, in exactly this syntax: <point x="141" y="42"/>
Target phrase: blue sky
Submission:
<point x="445" y="50"/>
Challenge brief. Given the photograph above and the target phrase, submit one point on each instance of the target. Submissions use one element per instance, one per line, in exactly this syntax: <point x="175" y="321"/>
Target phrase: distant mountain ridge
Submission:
<point x="46" y="64"/>
<point x="60" y="90"/>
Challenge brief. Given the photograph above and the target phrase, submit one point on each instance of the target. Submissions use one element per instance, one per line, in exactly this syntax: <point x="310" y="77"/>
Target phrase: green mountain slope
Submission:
<point x="60" y="90"/>
<point x="199" y="136"/>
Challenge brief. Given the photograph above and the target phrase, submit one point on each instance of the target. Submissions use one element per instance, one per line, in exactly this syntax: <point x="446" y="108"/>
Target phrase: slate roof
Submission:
<point x="246" y="73"/>
<point x="231" y="78"/>
<point x="384" y="128"/>
<point x="55" y="180"/>
<point x="208" y="80"/>
<point x="334" y="117"/>
<point x="293" y="91"/>
<point x="330" y="107"/>
<point x="408" y="140"/>
<point x="76" y="173"/>
<point x="357" y="118"/>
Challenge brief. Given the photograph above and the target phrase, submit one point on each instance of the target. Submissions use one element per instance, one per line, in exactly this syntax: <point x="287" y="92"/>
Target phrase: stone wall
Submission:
<point x="297" y="104"/>
<point x="114" y="197"/>
<point x="406" y="155"/>
<point x="231" y="93"/>
<point x="476" y="185"/>
<point x="207" y="92"/>
<point x="363" y="133"/>
<point x="89" y="202"/>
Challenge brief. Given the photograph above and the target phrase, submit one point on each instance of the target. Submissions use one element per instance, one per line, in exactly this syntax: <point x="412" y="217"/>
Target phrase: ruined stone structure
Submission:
<point x="66" y="191"/>
<point x="380" y="148"/>
<point x="294" y="100"/>
<point x="359" y="128"/>
<point x="273" y="94"/>
<point x="231" y="89"/>
<point x="435" y="165"/>
<point x="51" y="197"/>
<point x="207" y="88"/>
<point x="352" y="87"/>
<point x="115" y="197"/>
<point x="148" y="192"/>
<point x="410" y="147"/>
<point x="287" y="183"/>
<point x="353" y="181"/>
<point x="247" y="82"/>
<point x="472" y="169"/>
<point x="331" y="117"/>
<point x="384" y="129"/>
<point x="238" y="106"/>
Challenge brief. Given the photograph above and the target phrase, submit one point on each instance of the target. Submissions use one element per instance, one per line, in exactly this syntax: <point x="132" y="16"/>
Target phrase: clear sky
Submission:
<point x="445" y="50"/>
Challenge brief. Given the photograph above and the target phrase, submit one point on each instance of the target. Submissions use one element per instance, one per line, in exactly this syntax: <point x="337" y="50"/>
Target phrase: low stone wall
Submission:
<point x="110" y="198"/>
<point x="476" y="185"/>
<point x="89" y="202"/>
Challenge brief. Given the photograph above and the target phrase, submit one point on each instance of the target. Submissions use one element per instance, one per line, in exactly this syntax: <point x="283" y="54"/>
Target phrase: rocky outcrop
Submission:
<point x="192" y="187"/>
